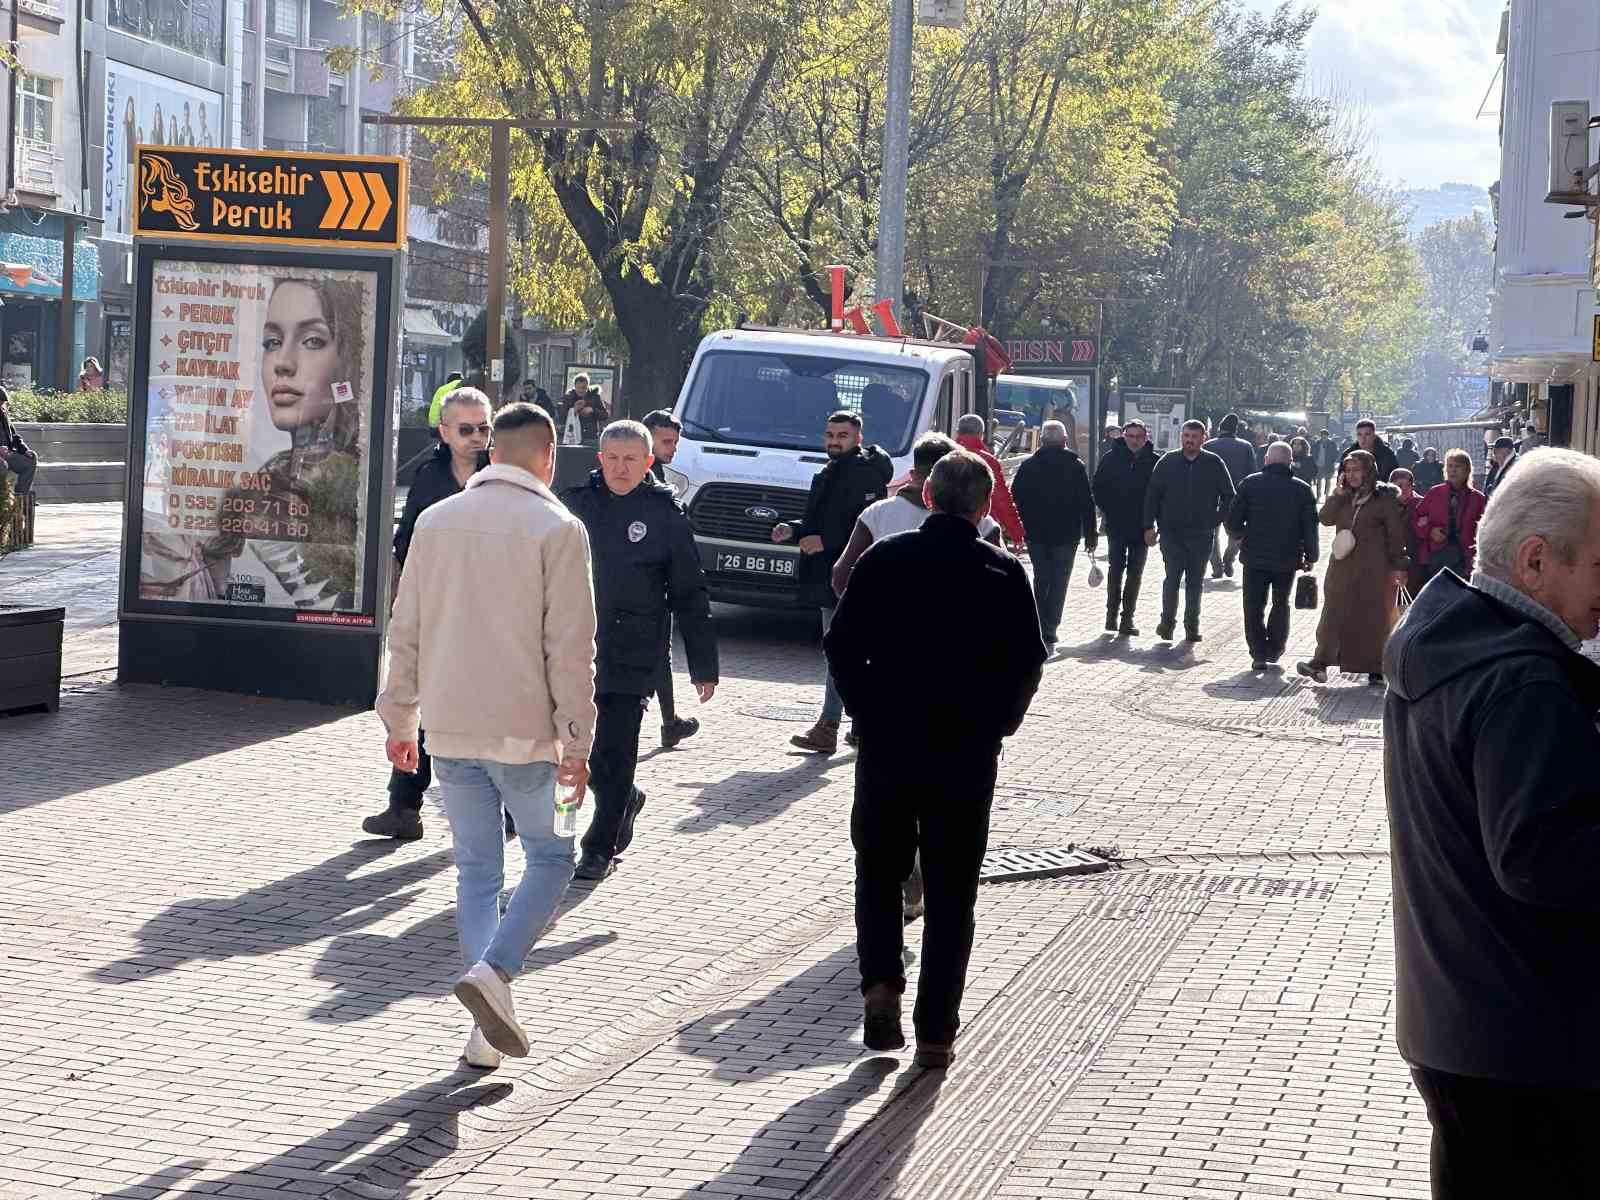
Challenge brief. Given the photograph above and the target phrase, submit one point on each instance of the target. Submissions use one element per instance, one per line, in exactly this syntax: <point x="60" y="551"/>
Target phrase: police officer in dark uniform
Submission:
<point x="645" y="566"/>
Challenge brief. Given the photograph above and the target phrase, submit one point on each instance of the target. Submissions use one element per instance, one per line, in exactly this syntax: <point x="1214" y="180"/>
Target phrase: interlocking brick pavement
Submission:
<point x="216" y="986"/>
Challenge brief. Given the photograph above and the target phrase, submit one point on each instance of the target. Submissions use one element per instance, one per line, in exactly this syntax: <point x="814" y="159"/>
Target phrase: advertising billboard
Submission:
<point x="260" y="381"/>
<point x="1163" y="410"/>
<point x="144" y="107"/>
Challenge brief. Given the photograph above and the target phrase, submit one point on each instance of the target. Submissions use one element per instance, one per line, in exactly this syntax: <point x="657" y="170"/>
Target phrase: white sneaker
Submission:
<point x="479" y="1053"/>
<point x="488" y="998"/>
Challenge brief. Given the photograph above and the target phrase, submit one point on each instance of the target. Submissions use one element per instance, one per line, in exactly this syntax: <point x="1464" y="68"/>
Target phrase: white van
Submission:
<point x="753" y="410"/>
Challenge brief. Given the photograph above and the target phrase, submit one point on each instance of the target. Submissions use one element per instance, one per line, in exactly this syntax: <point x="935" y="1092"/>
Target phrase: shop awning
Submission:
<point x="420" y="327"/>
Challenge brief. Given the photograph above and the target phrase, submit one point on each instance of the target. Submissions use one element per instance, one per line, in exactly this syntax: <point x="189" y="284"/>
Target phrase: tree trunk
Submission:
<point x="662" y="337"/>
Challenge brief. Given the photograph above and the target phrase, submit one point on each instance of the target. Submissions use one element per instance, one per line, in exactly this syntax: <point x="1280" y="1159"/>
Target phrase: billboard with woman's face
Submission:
<point x="257" y="472"/>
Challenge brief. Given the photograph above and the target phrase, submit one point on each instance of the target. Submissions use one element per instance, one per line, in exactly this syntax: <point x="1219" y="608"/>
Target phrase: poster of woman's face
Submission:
<point x="259" y="382"/>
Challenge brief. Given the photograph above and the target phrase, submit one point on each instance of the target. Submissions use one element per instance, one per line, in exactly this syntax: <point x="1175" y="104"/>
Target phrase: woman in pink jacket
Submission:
<point x="1447" y="520"/>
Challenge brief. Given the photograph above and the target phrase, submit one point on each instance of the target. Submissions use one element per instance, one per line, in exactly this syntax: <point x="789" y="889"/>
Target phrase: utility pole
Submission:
<point x="891" y="267"/>
<point x="499" y="214"/>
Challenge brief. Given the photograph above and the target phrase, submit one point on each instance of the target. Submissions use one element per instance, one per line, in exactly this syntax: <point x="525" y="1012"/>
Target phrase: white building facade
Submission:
<point x="1540" y="346"/>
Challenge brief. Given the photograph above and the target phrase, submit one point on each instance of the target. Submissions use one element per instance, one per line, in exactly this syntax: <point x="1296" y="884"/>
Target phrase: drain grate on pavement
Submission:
<point x="1038" y="862"/>
<point x="780" y="712"/>
<point x="1059" y="804"/>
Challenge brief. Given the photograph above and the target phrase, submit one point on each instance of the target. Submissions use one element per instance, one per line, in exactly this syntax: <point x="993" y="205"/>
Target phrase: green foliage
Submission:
<point x="104" y="407"/>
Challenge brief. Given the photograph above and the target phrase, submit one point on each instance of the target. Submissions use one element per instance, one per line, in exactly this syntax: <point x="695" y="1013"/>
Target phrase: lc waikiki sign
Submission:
<point x="269" y="198"/>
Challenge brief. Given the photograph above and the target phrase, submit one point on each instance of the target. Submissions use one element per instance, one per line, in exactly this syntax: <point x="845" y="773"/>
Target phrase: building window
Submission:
<point x="374" y="139"/>
<point x="194" y="26"/>
<point x="325" y="125"/>
<point x="283" y="19"/>
<point x="39" y="109"/>
<point x="250" y="15"/>
<point x="247" y="108"/>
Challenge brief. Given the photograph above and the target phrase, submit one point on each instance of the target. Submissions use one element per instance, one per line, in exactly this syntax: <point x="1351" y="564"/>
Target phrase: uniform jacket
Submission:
<point x="1053" y="498"/>
<point x="1238" y="455"/>
<point x="840" y="492"/>
<point x="645" y="567"/>
<point x="1380" y="452"/>
<point x="1187" y="497"/>
<point x="1002" y="507"/>
<point x="898" y="604"/>
<point x="1276" y="515"/>
<point x="433" y="482"/>
<point x="1120" y="483"/>
<point x="1492" y="771"/>
<point x="510" y="689"/>
<point x="1433" y="512"/>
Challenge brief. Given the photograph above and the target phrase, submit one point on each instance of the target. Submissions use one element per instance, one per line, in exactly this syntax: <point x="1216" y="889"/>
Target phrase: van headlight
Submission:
<point x="677" y="481"/>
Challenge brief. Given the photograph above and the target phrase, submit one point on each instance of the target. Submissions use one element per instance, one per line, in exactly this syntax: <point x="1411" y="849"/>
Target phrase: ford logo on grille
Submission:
<point x="760" y="512"/>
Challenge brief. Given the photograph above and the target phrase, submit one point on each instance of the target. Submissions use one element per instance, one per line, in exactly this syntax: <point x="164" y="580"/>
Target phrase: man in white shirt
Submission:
<point x="903" y="511"/>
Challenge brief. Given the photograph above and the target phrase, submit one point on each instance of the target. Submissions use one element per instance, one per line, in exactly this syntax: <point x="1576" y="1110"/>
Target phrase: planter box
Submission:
<point x="30" y="658"/>
<point x="78" y="462"/>
<point x="17" y="532"/>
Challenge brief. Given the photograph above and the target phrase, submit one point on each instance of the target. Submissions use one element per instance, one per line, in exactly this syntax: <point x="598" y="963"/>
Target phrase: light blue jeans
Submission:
<point x="474" y="790"/>
<point x="832" y="702"/>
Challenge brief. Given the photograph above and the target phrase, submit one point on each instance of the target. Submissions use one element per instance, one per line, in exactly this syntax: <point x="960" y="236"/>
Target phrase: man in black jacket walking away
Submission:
<point x="930" y="741"/>
<point x="1238" y="454"/>
<point x="840" y="492"/>
<point x="1190" y="492"/>
<point x="664" y="430"/>
<point x="463" y="451"/>
<point x="645" y="568"/>
<point x="1057" y="509"/>
<point x="1120" y="483"/>
<point x="1492" y="770"/>
<point x="1274" y="516"/>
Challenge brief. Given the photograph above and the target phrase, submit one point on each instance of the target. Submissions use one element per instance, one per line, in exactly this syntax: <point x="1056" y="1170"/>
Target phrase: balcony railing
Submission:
<point x="38" y="167"/>
<point x="52" y="11"/>
<point x="190" y="25"/>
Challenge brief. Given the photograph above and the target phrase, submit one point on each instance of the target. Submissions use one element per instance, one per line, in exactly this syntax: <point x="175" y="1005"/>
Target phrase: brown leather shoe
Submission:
<point x="821" y="738"/>
<point x="882" y="1030"/>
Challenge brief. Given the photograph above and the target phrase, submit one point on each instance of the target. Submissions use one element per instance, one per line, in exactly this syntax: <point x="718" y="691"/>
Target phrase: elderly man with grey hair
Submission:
<point x="930" y="741"/>
<point x="646" y="571"/>
<point x="1492" y="769"/>
<point x="1274" y="518"/>
<point x="1056" y="504"/>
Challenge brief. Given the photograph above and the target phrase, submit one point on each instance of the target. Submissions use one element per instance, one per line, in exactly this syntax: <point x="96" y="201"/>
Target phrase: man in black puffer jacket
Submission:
<point x="645" y="566"/>
<point x="1274" y="516"/>
<point x="1120" y="482"/>
<point x="463" y="451"/>
<point x="840" y="492"/>
<point x="1057" y="509"/>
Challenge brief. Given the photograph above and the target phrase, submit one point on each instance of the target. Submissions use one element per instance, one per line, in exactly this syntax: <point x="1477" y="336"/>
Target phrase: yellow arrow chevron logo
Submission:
<point x="356" y="200"/>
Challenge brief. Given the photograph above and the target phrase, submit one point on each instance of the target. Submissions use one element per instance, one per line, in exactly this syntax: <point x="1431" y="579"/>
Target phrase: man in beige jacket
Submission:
<point x="492" y="638"/>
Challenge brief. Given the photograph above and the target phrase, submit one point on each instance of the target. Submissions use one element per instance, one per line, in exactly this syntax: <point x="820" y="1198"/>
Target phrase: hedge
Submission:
<point x="104" y="407"/>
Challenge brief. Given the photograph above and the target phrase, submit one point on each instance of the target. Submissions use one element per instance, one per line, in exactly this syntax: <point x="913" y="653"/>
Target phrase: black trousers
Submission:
<point x="1185" y="556"/>
<point x="612" y="762"/>
<point x="1125" y="560"/>
<point x="1052" y="571"/>
<point x="1267" y="635"/>
<point x="909" y="797"/>
<point x="669" y="710"/>
<point x="406" y="788"/>
<point x="1493" y="1140"/>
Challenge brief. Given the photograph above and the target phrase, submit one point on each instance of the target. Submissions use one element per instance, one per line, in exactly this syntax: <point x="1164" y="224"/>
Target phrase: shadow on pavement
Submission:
<point x="1157" y="658"/>
<point x="109" y="734"/>
<point x="371" y="971"/>
<point x="346" y="1152"/>
<point x="1248" y="686"/>
<point x="807" y="1021"/>
<point x="803" y="1131"/>
<point x="749" y="798"/>
<point x="318" y="902"/>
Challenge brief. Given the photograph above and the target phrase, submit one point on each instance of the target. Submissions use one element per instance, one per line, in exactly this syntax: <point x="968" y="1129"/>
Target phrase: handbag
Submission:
<point x="1305" y="591"/>
<point x="1096" y="575"/>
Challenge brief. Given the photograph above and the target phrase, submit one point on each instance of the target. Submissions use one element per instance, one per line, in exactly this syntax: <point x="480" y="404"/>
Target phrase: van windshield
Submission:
<point x="784" y="400"/>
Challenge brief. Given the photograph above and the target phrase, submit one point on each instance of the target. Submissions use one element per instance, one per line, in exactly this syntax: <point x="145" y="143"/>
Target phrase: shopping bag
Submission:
<point x="1096" y="575"/>
<point x="1305" y="592"/>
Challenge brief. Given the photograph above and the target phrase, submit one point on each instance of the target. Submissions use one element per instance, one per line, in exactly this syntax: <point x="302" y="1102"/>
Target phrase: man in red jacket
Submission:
<point x="969" y="436"/>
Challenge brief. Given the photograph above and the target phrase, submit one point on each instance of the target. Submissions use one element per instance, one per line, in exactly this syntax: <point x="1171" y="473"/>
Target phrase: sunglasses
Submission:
<point x="466" y="430"/>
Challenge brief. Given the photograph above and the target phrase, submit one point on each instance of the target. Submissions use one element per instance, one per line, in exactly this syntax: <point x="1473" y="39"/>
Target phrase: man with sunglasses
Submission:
<point x="463" y="451"/>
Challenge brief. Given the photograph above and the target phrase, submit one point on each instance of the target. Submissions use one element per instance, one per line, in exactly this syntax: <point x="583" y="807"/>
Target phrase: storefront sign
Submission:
<point x="1048" y="352"/>
<point x="143" y="107"/>
<point x="268" y="198"/>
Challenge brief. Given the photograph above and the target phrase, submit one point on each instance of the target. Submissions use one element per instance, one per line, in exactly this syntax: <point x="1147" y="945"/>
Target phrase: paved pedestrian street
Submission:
<point x="215" y="984"/>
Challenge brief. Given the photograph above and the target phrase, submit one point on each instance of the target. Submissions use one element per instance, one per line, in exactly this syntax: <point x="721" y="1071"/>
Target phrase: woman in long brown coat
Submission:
<point x="1359" y="591"/>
